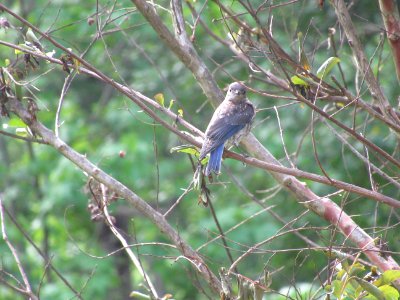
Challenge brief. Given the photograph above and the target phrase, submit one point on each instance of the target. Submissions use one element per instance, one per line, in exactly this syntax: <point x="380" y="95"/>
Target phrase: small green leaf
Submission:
<point x="390" y="292"/>
<point x="22" y="132"/>
<point x="31" y="37"/>
<point x="24" y="46"/>
<point x="76" y="64"/>
<point x="370" y="288"/>
<point x="189" y="149"/>
<point x="388" y="277"/>
<point x="171" y="103"/>
<point x="302" y="54"/>
<point x="18" y="87"/>
<point x="337" y="288"/>
<point x="180" y="112"/>
<point x="159" y="98"/>
<point x="356" y="268"/>
<point x="16" y="122"/>
<point x="258" y="292"/>
<point x="138" y="295"/>
<point x="341" y="274"/>
<point x="185" y="149"/>
<point x="327" y="66"/>
<point x="296" y="80"/>
<point x="328" y="288"/>
<point x="51" y="53"/>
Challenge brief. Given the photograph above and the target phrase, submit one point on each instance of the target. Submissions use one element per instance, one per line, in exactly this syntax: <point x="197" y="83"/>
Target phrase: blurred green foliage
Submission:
<point x="45" y="191"/>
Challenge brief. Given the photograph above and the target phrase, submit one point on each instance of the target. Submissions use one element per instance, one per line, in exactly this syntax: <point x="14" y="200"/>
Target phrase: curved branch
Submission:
<point x="322" y="206"/>
<point x="142" y="101"/>
<point x="390" y="15"/>
<point x="362" y="61"/>
<point x="182" y="47"/>
<point x="85" y="165"/>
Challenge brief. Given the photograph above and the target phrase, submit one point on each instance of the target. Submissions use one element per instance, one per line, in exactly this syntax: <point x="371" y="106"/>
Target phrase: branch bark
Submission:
<point x="324" y="207"/>
<point x="185" y="51"/>
<point x="143" y="102"/>
<point x="362" y="62"/>
<point x="391" y="19"/>
<point x="92" y="170"/>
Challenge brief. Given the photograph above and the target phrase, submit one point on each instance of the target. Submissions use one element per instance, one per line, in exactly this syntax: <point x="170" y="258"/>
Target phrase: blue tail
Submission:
<point x="214" y="163"/>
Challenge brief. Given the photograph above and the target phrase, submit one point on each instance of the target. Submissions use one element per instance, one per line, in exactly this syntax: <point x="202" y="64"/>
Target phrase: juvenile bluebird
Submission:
<point x="231" y="120"/>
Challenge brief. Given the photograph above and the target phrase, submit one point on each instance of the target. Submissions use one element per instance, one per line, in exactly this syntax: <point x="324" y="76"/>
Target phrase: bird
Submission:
<point x="229" y="123"/>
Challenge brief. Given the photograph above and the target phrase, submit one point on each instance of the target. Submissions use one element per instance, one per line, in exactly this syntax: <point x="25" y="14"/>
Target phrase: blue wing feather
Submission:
<point x="214" y="163"/>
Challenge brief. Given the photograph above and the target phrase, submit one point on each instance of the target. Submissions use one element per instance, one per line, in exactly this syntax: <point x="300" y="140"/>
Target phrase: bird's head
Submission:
<point x="236" y="92"/>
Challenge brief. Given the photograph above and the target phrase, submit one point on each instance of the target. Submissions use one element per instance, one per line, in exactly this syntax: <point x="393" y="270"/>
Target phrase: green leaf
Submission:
<point x="138" y="295"/>
<point x="302" y="55"/>
<point x="370" y="288"/>
<point x="390" y="292"/>
<point x="171" y="103"/>
<point x="258" y="292"/>
<point x="51" y="53"/>
<point x="31" y="37"/>
<point x="296" y="80"/>
<point x="16" y="122"/>
<point x="327" y="66"/>
<point x="23" y="46"/>
<point x="22" y="132"/>
<point x="189" y="149"/>
<point x="186" y="149"/>
<point x="388" y="277"/>
<point x="356" y="268"/>
<point x="337" y="288"/>
<point x="18" y="87"/>
<point x="180" y="112"/>
<point x="159" y="98"/>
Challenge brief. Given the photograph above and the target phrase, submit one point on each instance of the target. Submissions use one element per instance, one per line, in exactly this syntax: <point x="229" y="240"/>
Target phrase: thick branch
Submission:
<point x="183" y="48"/>
<point x="184" y="51"/>
<point x="391" y="19"/>
<point x="143" y="102"/>
<point x="322" y="206"/>
<point x="84" y="164"/>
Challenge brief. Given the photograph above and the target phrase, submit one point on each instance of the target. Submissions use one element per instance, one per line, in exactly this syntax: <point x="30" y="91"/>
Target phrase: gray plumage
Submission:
<point x="229" y="123"/>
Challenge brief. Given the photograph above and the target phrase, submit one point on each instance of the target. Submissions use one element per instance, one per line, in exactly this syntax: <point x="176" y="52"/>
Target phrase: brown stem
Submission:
<point x="390" y="15"/>
<point x="358" y="51"/>
<point x="84" y="164"/>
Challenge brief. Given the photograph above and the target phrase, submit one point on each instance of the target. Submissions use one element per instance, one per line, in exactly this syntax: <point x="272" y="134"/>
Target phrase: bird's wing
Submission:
<point x="226" y="122"/>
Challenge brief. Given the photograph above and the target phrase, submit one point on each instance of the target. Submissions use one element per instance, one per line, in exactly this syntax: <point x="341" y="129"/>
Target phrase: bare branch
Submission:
<point x="391" y="19"/>
<point x="362" y="61"/>
<point x="125" y="244"/>
<point x="28" y="289"/>
<point x="322" y="206"/>
<point x="84" y="164"/>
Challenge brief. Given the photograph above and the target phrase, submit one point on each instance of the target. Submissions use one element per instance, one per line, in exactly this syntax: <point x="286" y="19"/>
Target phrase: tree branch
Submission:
<point x="142" y="101"/>
<point x="390" y="15"/>
<point x="185" y="51"/>
<point x="85" y="165"/>
<point x="362" y="61"/>
<point x="324" y="207"/>
<point x="28" y="289"/>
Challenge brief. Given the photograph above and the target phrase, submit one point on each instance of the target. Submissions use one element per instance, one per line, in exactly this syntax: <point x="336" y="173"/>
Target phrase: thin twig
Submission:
<point x="282" y="139"/>
<point x="125" y="244"/>
<point x="28" y="288"/>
